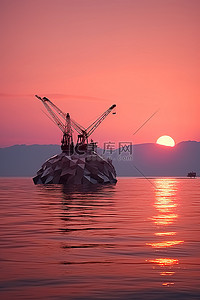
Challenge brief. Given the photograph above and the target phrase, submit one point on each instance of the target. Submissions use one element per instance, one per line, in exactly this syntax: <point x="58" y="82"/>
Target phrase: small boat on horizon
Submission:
<point x="192" y="175"/>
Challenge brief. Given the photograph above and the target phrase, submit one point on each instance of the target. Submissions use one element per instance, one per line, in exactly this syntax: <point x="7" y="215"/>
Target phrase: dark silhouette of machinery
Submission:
<point x="65" y="168"/>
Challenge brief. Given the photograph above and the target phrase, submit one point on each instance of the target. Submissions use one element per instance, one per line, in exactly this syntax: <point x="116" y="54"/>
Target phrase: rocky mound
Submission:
<point x="76" y="170"/>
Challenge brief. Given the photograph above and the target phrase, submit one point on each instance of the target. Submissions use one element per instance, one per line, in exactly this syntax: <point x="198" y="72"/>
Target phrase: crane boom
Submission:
<point x="55" y="118"/>
<point x="67" y="140"/>
<point x="79" y="128"/>
<point x="100" y="119"/>
<point x="66" y="127"/>
<point x="48" y="104"/>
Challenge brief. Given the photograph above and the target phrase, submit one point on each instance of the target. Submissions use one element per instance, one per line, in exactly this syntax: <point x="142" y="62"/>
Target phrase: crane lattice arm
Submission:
<point x="67" y="140"/>
<point x="83" y="133"/>
<point x="80" y="129"/>
<point x="55" y="118"/>
<point x="100" y="119"/>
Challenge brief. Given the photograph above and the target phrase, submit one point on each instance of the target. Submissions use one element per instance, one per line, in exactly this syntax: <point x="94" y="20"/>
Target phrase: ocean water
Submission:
<point x="138" y="239"/>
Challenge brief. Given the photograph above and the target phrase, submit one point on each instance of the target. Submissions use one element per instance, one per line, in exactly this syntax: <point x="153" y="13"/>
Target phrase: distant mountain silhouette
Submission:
<point x="157" y="160"/>
<point x="22" y="160"/>
<point x="147" y="159"/>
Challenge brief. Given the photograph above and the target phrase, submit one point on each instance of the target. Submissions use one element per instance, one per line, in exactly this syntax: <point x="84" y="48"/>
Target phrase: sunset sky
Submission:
<point x="86" y="55"/>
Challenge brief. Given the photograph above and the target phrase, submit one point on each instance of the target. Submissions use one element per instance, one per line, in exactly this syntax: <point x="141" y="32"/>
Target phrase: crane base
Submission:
<point x="76" y="170"/>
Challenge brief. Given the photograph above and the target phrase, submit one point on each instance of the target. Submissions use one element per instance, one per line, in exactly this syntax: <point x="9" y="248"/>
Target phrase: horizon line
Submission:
<point x="185" y="141"/>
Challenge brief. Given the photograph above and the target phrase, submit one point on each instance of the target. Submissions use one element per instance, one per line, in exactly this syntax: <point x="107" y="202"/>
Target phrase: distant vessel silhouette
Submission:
<point x="192" y="174"/>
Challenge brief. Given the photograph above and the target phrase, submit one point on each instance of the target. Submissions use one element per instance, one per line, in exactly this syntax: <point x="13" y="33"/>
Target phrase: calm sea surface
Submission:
<point x="135" y="240"/>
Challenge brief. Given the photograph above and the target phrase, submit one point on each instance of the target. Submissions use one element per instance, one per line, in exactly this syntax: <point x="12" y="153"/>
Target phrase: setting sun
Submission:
<point x="165" y="140"/>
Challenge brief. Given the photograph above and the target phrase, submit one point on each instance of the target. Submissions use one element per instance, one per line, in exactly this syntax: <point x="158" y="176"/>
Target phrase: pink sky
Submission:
<point x="86" y="55"/>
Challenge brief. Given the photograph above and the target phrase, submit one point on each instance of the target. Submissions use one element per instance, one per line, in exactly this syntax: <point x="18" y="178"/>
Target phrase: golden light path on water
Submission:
<point x="165" y="244"/>
<point x="166" y="205"/>
<point x="165" y="233"/>
<point x="164" y="261"/>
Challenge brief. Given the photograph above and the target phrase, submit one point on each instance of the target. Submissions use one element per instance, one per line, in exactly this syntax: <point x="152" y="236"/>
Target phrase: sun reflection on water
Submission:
<point x="166" y="205"/>
<point x="165" y="233"/>
<point x="167" y="273"/>
<point x="164" y="261"/>
<point x="164" y="219"/>
<point x="164" y="244"/>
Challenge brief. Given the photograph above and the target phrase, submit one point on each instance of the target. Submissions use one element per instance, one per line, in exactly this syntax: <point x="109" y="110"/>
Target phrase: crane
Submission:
<point x="90" y="129"/>
<point x="74" y="124"/>
<point x="83" y="133"/>
<point x="67" y="139"/>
